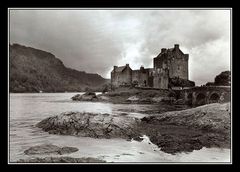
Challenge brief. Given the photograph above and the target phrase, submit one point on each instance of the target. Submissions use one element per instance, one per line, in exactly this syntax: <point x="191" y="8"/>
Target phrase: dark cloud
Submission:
<point x="95" y="40"/>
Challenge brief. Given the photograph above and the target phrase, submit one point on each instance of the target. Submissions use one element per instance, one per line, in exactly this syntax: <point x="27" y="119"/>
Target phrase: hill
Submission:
<point x="32" y="70"/>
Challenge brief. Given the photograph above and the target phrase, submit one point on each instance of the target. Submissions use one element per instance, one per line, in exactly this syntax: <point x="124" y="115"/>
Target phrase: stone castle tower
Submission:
<point x="170" y="63"/>
<point x="174" y="60"/>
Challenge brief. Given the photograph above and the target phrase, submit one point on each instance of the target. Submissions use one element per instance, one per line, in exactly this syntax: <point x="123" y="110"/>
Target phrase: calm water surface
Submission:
<point x="28" y="109"/>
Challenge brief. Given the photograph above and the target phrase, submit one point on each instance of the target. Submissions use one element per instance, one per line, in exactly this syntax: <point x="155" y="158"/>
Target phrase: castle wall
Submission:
<point x="142" y="77"/>
<point x="178" y="67"/>
<point x="157" y="62"/>
<point x="150" y="81"/>
<point x="173" y="59"/>
<point x="135" y="76"/>
<point x="124" y="77"/>
<point x="114" y="80"/>
<point x="160" y="79"/>
<point x="143" y="80"/>
<point x="121" y="78"/>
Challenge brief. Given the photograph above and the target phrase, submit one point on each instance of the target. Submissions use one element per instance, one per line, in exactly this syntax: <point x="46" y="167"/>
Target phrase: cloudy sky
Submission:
<point x="96" y="40"/>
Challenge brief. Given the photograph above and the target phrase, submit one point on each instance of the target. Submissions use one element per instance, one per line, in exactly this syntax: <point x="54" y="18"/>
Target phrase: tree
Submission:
<point x="224" y="78"/>
<point x="179" y="82"/>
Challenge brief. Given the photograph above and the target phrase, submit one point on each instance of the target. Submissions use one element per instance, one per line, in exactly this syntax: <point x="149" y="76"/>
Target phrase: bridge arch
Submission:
<point x="198" y="96"/>
<point x="214" y="98"/>
<point x="200" y="99"/>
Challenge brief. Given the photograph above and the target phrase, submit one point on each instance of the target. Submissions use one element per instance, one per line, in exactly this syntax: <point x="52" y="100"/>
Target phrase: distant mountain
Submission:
<point x="32" y="70"/>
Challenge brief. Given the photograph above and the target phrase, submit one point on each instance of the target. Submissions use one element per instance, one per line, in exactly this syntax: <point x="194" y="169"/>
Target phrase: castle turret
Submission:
<point x="163" y="50"/>
<point x="176" y="46"/>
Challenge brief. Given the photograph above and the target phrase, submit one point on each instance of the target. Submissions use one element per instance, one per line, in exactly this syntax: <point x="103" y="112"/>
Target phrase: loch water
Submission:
<point x="27" y="109"/>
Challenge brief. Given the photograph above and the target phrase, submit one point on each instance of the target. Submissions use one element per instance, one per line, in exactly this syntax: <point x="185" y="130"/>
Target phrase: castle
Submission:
<point x="170" y="64"/>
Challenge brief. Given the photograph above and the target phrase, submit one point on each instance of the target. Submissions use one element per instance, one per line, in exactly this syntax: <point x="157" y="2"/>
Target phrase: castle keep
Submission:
<point x="170" y="64"/>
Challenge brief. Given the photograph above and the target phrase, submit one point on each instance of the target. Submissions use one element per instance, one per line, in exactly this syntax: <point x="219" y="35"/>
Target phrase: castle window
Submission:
<point x="178" y="67"/>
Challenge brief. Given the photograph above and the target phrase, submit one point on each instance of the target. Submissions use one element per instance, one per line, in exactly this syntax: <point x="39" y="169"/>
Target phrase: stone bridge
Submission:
<point x="204" y="95"/>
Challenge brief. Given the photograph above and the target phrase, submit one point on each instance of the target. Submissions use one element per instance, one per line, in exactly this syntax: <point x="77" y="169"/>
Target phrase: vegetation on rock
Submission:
<point x="179" y="82"/>
<point x="224" y="78"/>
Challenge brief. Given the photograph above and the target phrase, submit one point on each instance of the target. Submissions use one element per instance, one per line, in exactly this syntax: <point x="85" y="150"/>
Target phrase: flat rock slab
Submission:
<point x="191" y="129"/>
<point x="91" y="125"/>
<point x="49" y="149"/>
<point x="61" y="160"/>
<point x="211" y="117"/>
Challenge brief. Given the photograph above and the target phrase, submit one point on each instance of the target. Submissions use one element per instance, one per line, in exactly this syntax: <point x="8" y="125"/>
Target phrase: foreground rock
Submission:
<point x="173" y="132"/>
<point x="88" y="96"/>
<point x="91" y="125"/>
<point x="212" y="117"/>
<point x="61" y="160"/>
<point x="191" y="129"/>
<point x="49" y="149"/>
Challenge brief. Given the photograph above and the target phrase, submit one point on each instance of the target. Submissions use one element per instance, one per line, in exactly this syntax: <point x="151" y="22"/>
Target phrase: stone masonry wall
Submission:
<point x="161" y="79"/>
<point x="178" y="67"/>
<point x="122" y="78"/>
<point x="141" y="77"/>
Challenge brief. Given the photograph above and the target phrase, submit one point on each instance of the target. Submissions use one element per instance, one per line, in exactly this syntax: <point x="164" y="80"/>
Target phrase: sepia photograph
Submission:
<point x="119" y="86"/>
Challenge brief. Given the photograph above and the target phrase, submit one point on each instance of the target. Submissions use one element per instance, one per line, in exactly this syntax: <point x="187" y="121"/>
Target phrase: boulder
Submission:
<point x="91" y="125"/>
<point x="215" y="117"/>
<point x="191" y="129"/>
<point x="88" y="96"/>
<point x="49" y="149"/>
<point x="76" y="97"/>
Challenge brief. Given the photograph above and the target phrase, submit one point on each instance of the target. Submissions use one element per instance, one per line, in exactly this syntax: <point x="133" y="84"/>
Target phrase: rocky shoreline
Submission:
<point x="173" y="132"/>
<point x="65" y="159"/>
<point x="129" y="96"/>
<point x="191" y="129"/>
